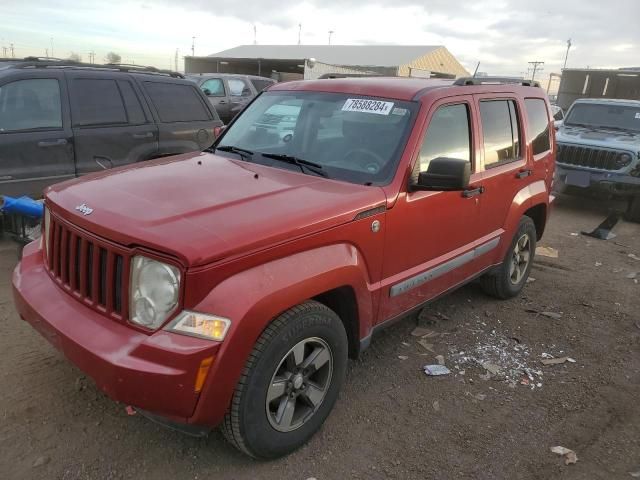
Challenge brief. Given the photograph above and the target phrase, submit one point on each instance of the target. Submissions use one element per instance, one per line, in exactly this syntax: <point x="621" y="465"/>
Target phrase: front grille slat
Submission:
<point x="91" y="269"/>
<point x="587" y="157"/>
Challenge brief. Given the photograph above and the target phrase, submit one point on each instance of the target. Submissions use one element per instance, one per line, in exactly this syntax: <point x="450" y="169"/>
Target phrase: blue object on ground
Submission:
<point x="23" y="205"/>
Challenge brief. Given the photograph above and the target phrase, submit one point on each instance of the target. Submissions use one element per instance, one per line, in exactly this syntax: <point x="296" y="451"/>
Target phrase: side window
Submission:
<point x="132" y="102"/>
<point x="30" y="105"/>
<point x="96" y="102"/>
<point x="500" y="132"/>
<point x="447" y="136"/>
<point x="238" y="88"/>
<point x="177" y="102"/>
<point x="213" y="87"/>
<point x="538" y="125"/>
<point x="260" y="85"/>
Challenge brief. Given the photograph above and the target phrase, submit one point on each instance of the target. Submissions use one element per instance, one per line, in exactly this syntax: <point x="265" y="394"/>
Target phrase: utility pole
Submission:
<point x="535" y="66"/>
<point x="193" y="46"/>
<point x="566" y="55"/>
<point x="299" y="32"/>
<point x="4" y="51"/>
<point x="331" y="32"/>
<point x="51" y="40"/>
<point x="176" y="59"/>
<point x="255" y="35"/>
<point x="46" y="52"/>
<point x="13" y="55"/>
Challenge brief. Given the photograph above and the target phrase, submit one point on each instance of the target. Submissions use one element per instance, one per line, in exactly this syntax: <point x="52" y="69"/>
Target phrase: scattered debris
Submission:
<point x="574" y="234"/>
<point x="634" y="256"/>
<point x="604" y="230"/>
<point x="403" y="357"/>
<point x="436" y="405"/>
<point x="440" y="359"/>
<point x="557" y="361"/>
<point x="632" y="275"/>
<point x="531" y="280"/>
<point x="478" y="396"/>
<point x="130" y="410"/>
<point x="427" y="346"/>
<point x="524" y="381"/>
<point x="547" y="252"/>
<point x="436" y="370"/>
<point x="635" y="474"/>
<point x="598" y="264"/>
<point x="554" y="315"/>
<point x="569" y="455"/>
<point x="423" y="332"/>
<point x="492" y="368"/>
<point x="485" y="376"/>
<point x="43" y="460"/>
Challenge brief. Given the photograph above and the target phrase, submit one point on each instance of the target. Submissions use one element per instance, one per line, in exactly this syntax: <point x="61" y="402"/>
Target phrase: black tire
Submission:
<point x="248" y="425"/>
<point x="499" y="283"/>
<point x="633" y="212"/>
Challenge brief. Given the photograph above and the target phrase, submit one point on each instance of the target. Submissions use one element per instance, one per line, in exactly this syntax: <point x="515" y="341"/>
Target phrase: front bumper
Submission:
<point x="612" y="182"/>
<point x="154" y="372"/>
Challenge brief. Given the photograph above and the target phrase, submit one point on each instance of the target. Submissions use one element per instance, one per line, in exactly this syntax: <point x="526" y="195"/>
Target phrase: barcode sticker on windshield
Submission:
<point x="367" y="106"/>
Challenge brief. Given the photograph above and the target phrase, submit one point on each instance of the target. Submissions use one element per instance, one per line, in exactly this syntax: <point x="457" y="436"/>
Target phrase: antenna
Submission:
<point x="331" y="32"/>
<point x="193" y="46"/>
<point x="566" y="54"/>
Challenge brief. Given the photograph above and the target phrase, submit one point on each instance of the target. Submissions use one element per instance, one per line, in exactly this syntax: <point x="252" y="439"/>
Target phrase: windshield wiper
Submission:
<point x="243" y="152"/>
<point x="301" y="163"/>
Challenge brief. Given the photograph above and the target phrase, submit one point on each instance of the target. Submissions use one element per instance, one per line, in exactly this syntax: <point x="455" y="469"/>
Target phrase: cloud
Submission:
<point x="504" y="36"/>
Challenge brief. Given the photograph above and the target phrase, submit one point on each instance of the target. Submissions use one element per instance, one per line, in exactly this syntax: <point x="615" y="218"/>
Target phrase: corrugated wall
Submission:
<point x="440" y="60"/>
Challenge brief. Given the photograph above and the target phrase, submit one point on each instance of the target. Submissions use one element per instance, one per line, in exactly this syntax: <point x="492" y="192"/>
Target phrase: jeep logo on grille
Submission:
<point x="84" y="209"/>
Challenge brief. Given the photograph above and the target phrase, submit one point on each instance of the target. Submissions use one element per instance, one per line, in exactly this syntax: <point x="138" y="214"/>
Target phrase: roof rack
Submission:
<point x="46" y="62"/>
<point x="495" y="80"/>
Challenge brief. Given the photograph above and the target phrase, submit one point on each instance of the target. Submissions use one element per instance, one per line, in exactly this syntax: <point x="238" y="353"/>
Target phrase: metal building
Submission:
<point x="598" y="83"/>
<point x="285" y="62"/>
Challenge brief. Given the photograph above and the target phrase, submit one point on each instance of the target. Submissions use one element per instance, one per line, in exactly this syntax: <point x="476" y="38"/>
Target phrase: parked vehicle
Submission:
<point x="231" y="286"/>
<point x="599" y="149"/>
<point x="61" y="119"/>
<point x="230" y="93"/>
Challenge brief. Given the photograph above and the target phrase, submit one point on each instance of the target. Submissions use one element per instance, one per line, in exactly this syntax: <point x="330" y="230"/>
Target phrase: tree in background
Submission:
<point x="113" y="57"/>
<point x="74" y="57"/>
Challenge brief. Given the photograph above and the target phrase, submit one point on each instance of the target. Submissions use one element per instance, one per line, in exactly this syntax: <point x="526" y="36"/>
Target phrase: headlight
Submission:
<point x="623" y="160"/>
<point x="45" y="233"/>
<point x="200" y="325"/>
<point x="153" y="292"/>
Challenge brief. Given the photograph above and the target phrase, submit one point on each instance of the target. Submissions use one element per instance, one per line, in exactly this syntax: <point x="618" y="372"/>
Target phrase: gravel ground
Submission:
<point x="391" y="421"/>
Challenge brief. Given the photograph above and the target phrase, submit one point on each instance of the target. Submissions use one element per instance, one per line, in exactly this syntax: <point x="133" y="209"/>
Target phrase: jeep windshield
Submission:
<point x="604" y="115"/>
<point x="340" y="136"/>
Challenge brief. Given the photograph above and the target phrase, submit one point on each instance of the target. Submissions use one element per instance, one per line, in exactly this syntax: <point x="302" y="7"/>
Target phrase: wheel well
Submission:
<point x="342" y="301"/>
<point x="538" y="214"/>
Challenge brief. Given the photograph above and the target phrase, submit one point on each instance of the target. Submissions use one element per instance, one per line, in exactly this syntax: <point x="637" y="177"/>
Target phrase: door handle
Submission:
<point x="52" y="143"/>
<point x="222" y="102"/>
<point x="143" y="135"/>
<point x="472" y="192"/>
<point x="523" y="173"/>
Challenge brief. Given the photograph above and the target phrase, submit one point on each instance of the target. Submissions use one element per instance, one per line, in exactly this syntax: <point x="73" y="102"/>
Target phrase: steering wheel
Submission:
<point x="370" y="161"/>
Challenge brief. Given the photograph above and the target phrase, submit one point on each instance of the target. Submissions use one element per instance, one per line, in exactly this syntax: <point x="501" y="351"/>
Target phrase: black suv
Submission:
<point x="61" y="119"/>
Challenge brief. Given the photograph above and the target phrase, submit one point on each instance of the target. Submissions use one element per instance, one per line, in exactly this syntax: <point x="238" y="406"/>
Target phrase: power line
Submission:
<point x="535" y="66"/>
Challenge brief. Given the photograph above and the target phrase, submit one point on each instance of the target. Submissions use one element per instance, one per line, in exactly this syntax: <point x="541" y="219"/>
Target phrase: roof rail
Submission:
<point x="45" y="62"/>
<point x="495" y="80"/>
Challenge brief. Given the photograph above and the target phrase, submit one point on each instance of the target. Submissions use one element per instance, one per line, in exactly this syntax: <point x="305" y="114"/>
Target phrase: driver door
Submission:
<point x="431" y="235"/>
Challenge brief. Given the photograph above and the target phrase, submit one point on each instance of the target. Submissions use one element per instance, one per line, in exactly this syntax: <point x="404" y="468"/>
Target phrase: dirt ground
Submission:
<point x="391" y="421"/>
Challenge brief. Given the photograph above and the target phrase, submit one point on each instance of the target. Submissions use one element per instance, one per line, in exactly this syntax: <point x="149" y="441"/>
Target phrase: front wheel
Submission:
<point x="510" y="277"/>
<point x="290" y="382"/>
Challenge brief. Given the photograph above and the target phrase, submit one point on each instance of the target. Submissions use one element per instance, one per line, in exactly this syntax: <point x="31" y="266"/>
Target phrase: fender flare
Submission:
<point x="530" y="196"/>
<point x="252" y="298"/>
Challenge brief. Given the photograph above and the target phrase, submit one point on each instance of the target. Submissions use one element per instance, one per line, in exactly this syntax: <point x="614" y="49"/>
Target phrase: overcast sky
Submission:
<point x="502" y="34"/>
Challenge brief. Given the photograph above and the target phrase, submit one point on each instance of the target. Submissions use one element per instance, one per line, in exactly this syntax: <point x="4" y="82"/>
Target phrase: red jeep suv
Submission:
<point x="231" y="286"/>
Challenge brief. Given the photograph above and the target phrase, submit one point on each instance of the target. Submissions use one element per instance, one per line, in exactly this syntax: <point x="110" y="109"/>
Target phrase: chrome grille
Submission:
<point x="588" y="157"/>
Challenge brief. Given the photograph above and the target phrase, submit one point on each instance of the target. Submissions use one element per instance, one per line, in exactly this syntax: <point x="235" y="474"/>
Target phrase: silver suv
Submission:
<point x="599" y="149"/>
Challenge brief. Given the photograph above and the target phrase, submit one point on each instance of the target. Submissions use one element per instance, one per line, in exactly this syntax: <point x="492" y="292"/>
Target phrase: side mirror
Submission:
<point x="444" y="174"/>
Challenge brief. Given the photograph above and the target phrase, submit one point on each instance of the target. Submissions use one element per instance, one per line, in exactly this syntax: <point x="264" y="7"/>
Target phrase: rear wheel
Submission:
<point x="633" y="212"/>
<point x="510" y="277"/>
<point x="290" y="382"/>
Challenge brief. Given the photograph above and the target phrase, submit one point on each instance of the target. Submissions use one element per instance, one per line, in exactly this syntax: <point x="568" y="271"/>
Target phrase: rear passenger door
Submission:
<point x="215" y="91"/>
<point x="540" y="138"/>
<point x="506" y="169"/>
<point x="185" y="121"/>
<point x="35" y="133"/>
<point x="110" y="124"/>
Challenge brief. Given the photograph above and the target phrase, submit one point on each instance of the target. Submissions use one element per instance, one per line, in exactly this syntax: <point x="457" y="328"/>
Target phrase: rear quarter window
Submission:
<point x="177" y="102"/>
<point x="260" y="85"/>
<point x="538" y="125"/>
